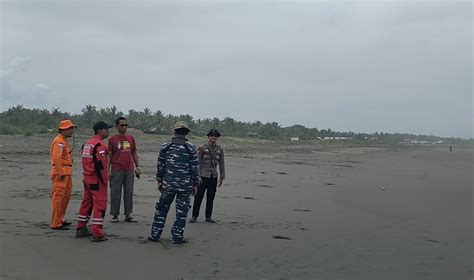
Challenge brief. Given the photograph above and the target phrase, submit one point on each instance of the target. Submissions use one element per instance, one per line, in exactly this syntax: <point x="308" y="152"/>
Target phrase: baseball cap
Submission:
<point x="101" y="125"/>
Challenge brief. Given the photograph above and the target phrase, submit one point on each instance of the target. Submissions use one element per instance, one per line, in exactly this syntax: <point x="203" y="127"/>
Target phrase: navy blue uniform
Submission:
<point x="178" y="170"/>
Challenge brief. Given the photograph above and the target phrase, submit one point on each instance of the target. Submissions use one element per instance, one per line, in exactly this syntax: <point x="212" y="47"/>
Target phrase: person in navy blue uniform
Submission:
<point x="178" y="177"/>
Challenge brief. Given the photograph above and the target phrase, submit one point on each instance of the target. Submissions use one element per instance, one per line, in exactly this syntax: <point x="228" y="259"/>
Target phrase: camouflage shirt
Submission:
<point x="210" y="157"/>
<point x="178" y="163"/>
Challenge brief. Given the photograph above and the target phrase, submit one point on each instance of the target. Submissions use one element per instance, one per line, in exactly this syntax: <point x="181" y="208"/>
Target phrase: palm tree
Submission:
<point x="90" y="115"/>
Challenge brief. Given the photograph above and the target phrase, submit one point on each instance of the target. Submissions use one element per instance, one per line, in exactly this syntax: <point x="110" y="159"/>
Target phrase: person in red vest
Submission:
<point x="94" y="200"/>
<point x="61" y="173"/>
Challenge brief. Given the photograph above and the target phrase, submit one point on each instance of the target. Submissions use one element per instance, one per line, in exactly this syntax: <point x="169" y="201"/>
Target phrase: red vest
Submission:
<point x="94" y="161"/>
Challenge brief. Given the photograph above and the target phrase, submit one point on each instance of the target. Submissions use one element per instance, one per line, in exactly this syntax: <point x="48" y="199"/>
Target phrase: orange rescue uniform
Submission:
<point x="61" y="165"/>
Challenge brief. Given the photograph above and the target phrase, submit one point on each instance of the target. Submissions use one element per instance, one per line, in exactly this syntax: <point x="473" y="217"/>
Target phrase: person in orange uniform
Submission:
<point x="61" y="173"/>
<point x="94" y="200"/>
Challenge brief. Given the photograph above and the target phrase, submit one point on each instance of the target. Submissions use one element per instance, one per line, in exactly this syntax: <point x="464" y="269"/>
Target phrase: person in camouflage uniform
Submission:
<point x="177" y="176"/>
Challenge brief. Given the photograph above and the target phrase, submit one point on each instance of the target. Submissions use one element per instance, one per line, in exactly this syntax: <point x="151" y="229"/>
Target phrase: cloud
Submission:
<point x="361" y="66"/>
<point x="18" y="90"/>
<point x="15" y="65"/>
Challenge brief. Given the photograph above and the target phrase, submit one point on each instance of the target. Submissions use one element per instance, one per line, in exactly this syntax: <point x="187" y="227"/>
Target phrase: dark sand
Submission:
<point x="285" y="212"/>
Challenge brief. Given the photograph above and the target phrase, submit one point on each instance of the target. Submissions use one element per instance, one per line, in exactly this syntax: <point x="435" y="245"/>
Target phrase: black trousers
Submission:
<point x="209" y="185"/>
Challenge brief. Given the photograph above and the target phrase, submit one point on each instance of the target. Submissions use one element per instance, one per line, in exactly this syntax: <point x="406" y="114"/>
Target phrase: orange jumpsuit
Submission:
<point x="61" y="165"/>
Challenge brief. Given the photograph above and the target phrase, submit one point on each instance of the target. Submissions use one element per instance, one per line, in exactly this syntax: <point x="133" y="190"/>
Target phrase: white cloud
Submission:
<point x="18" y="90"/>
<point x="15" y="65"/>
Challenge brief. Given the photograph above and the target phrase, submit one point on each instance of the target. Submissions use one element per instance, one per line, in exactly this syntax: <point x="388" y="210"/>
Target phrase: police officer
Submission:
<point x="94" y="200"/>
<point x="177" y="176"/>
<point x="210" y="156"/>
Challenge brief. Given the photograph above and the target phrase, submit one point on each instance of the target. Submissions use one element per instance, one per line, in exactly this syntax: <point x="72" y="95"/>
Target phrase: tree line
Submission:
<point x="25" y="121"/>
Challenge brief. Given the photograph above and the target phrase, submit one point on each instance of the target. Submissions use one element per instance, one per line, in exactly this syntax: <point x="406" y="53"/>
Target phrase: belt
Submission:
<point x="64" y="164"/>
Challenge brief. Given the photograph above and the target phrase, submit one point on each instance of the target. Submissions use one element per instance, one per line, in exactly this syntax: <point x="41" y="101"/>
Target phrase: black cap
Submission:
<point x="101" y="125"/>
<point x="214" y="132"/>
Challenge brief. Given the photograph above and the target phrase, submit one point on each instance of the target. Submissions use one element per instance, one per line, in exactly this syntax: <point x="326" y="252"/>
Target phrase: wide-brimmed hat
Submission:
<point x="65" y="124"/>
<point x="180" y="125"/>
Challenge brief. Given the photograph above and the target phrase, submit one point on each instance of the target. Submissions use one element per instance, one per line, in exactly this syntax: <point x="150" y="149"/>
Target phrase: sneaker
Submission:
<point x="209" y="220"/>
<point x="98" y="238"/>
<point x="179" y="241"/>
<point x="193" y="220"/>
<point x="62" y="227"/>
<point x="66" y="224"/>
<point x="114" y="219"/>
<point x="83" y="232"/>
<point x="152" y="239"/>
<point x="130" y="219"/>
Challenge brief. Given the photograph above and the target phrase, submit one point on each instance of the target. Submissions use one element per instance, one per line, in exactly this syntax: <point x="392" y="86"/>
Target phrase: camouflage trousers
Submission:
<point x="183" y="199"/>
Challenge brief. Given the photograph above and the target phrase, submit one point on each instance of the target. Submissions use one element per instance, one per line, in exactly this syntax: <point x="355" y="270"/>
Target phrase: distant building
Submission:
<point x="337" y="138"/>
<point x="410" y="141"/>
<point x="152" y="130"/>
<point x="418" y="142"/>
<point x="295" y="139"/>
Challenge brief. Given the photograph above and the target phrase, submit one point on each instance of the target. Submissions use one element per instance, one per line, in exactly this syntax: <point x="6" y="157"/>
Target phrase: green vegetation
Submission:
<point x="24" y="121"/>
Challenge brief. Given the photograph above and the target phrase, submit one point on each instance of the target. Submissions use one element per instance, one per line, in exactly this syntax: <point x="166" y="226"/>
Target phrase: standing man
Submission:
<point x="61" y="173"/>
<point x="123" y="166"/>
<point x="210" y="157"/>
<point x="178" y="176"/>
<point x="94" y="200"/>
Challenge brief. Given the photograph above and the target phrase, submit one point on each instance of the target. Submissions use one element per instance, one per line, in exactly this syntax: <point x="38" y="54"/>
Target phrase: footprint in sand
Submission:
<point x="302" y="210"/>
<point x="265" y="186"/>
<point x="432" y="240"/>
<point x="282" y="237"/>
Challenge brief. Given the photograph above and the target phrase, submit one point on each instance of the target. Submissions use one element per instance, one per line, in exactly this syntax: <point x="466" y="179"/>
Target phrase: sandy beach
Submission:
<point x="285" y="212"/>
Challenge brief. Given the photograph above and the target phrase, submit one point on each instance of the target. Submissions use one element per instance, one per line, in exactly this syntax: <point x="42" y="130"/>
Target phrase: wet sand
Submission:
<point x="284" y="212"/>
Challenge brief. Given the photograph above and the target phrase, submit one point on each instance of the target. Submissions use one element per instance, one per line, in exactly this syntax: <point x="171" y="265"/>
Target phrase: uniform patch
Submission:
<point x="86" y="150"/>
<point x="61" y="146"/>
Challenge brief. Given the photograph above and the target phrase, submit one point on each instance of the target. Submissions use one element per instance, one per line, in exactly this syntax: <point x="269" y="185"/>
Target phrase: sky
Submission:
<point x="362" y="66"/>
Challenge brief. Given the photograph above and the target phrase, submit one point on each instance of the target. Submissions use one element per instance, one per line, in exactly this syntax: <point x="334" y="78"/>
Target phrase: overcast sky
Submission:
<point x="363" y="66"/>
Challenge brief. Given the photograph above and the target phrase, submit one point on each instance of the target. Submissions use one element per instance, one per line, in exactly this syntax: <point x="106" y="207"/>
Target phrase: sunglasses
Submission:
<point x="124" y="125"/>
<point x="213" y="135"/>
